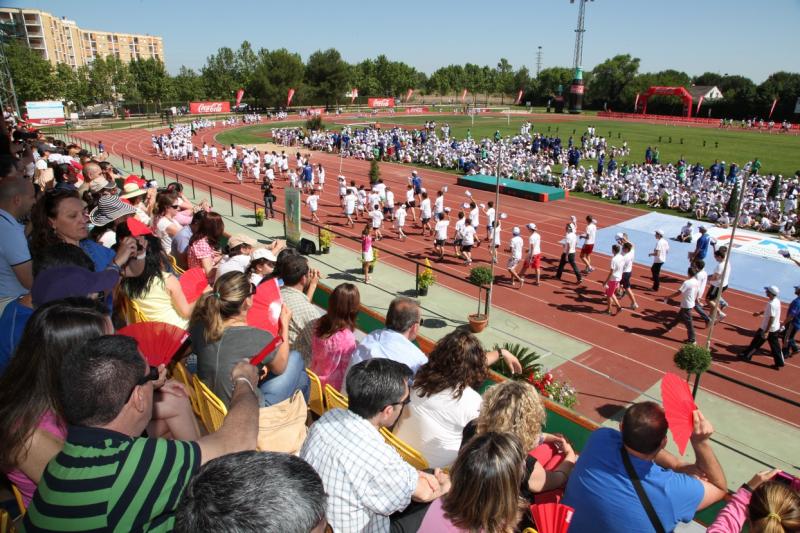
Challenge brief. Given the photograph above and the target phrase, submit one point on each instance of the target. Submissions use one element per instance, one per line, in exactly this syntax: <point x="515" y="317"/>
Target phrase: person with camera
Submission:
<point x="769" y="502"/>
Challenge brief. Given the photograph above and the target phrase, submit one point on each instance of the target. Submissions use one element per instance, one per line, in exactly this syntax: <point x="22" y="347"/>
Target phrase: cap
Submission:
<point x="660" y="232"/>
<point x="531" y="226"/>
<point x="773" y="290"/>
<point x="133" y="178"/>
<point x="98" y="184"/>
<point x="619" y="236"/>
<point x="702" y="229"/>
<point x="263" y="253"/>
<point x="238" y="240"/>
<point x="515" y="231"/>
<point x="70" y="281"/>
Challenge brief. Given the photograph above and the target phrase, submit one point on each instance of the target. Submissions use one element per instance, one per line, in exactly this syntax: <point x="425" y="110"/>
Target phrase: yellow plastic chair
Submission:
<point x="6" y="523"/>
<point x="212" y="410"/>
<point x="334" y="398"/>
<point x="316" y="399"/>
<point x="409" y="454"/>
<point x="180" y="373"/>
<point x="18" y="498"/>
<point x="130" y="312"/>
<point x="175" y="268"/>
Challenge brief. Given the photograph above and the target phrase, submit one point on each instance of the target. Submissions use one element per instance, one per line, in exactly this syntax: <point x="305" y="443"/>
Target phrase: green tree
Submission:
<point x="187" y="85"/>
<point x="32" y="74"/>
<point x="551" y="78"/>
<point x="220" y="75"/>
<point x="328" y="75"/>
<point x="72" y="85"/>
<point x="275" y="73"/>
<point x="504" y="78"/>
<point x="610" y="78"/>
<point x="151" y="79"/>
<point x="785" y="86"/>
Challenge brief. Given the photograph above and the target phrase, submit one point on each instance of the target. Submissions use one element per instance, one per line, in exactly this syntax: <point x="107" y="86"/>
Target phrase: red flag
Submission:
<point x="239" y="95"/>
<point x="699" y="103"/>
<point x="289" y="97"/>
<point x="636" y="103"/>
<point x="408" y="94"/>
<point x="353" y="95"/>
<point x="519" y="98"/>
<point x="463" y="96"/>
<point x="772" y="109"/>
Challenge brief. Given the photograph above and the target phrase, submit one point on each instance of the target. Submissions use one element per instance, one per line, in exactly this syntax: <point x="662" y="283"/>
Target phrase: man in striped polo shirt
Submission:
<point x="107" y="477"/>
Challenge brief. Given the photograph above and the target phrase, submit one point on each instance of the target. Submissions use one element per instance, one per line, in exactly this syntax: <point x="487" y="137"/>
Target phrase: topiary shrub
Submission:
<point x="693" y="359"/>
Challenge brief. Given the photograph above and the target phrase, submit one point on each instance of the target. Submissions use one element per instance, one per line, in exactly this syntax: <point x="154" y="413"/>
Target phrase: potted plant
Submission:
<point x="527" y="359"/>
<point x="260" y="217"/>
<point x="325" y="238"/>
<point x="482" y="277"/>
<point x="374" y="260"/>
<point x="693" y="359"/>
<point x="425" y="279"/>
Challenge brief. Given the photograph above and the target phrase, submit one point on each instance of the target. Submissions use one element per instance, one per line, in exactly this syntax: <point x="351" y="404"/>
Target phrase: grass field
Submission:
<point x="778" y="153"/>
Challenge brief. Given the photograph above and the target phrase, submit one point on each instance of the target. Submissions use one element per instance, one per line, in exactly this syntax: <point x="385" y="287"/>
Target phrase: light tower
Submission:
<point x="538" y="61"/>
<point x="8" y="95"/>
<point x="576" y="89"/>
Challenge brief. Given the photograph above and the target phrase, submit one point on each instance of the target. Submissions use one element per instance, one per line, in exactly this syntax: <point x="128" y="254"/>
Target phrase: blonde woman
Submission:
<point x="515" y="407"/>
<point x="221" y="338"/>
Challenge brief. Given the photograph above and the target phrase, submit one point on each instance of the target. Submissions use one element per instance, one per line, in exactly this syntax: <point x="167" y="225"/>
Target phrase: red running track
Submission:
<point x="629" y="352"/>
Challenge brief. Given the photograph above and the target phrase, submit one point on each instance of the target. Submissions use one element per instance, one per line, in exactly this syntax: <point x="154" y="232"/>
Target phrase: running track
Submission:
<point x="629" y="352"/>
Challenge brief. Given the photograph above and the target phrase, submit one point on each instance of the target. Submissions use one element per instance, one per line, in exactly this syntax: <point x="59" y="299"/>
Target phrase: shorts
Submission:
<point x="466" y="247"/>
<point x="348" y="212"/>
<point x="417" y="190"/>
<point x="376" y="227"/>
<point x="367" y="257"/>
<point x="388" y="210"/>
<point x="587" y="249"/>
<point x="439" y="242"/>
<point x="535" y="261"/>
<point x="611" y="287"/>
<point x="512" y="262"/>
<point x="456" y="242"/>
<point x="712" y="292"/>
<point x="411" y="203"/>
<point x="426" y="220"/>
<point x="625" y="282"/>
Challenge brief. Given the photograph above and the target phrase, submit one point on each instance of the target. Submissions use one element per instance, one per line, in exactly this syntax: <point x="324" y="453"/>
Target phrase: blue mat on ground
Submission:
<point x="522" y="189"/>
<point x="754" y="263"/>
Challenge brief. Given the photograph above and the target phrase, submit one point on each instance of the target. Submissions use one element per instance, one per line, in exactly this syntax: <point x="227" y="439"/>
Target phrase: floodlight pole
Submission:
<point x="496" y="222"/>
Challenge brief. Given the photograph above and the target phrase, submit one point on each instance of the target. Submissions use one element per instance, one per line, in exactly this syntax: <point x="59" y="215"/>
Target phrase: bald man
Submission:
<point x="16" y="273"/>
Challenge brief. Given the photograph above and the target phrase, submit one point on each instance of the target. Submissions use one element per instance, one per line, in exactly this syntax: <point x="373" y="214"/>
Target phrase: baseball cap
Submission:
<point x="70" y="281"/>
<point x="263" y="253"/>
<point x="702" y="229"/>
<point x="772" y="289"/>
<point x="238" y="240"/>
<point x="98" y="184"/>
<point x="531" y="226"/>
<point x="660" y="232"/>
<point x="515" y="231"/>
<point x="619" y="236"/>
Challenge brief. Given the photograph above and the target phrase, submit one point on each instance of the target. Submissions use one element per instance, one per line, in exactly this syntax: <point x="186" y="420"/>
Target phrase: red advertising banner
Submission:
<point x="39" y="122"/>
<point x="239" y="95"/>
<point x="289" y="97"/>
<point x="380" y="102"/>
<point x="410" y="110"/>
<point x="316" y="111"/>
<point x="201" y="108"/>
<point x="576" y="89"/>
<point x="408" y="94"/>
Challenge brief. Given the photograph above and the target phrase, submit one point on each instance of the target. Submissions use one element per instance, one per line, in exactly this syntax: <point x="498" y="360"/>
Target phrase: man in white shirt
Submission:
<point x="718" y="283"/>
<point x="588" y="244"/>
<point x="613" y="279"/>
<point x="515" y="245"/>
<point x="702" y="281"/>
<point x="369" y="486"/>
<point x="568" y="243"/>
<point x="441" y="234"/>
<point x="490" y="214"/>
<point x="457" y="238"/>
<point x="349" y="207"/>
<point x="688" y="294"/>
<point x="534" y="258"/>
<point x="468" y="235"/>
<point x="388" y="204"/>
<point x="426" y="213"/>
<point x="659" y="255"/>
<point x="769" y="330"/>
<point x="628" y="255"/>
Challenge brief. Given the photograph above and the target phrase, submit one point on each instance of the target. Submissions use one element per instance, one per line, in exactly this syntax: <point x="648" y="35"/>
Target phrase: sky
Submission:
<point x="753" y="38"/>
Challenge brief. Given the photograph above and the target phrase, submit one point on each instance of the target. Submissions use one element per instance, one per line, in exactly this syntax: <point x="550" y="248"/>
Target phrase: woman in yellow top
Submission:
<point x="156" y="291"/>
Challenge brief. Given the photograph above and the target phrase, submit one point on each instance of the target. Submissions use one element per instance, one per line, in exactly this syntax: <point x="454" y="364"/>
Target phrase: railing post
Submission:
<point x="416" y="277"/>
<point x="192" y="182"/>
<point x="141" y="167"/>
<point x="210" y="196"/>
<point x="231" y="198"/>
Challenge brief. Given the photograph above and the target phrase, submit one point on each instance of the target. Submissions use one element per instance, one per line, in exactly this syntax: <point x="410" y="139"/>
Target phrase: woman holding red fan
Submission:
<point x="221" y="337"/>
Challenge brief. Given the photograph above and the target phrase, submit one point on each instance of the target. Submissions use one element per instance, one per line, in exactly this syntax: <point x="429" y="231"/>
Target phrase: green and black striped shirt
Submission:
<point x="106" y="481"/>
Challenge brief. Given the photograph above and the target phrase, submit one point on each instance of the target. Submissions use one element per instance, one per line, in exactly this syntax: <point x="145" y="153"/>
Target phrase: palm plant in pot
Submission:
<point x="482" y="277"/>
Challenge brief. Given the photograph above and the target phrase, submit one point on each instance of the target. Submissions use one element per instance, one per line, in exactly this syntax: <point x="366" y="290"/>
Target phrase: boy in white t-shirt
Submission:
<point x="400" y="221"/>
<point x="313" y="204"/>
<point x="440" y="237"/>
<point x="515" y="246"/>
<point x="534" y="258"/>
<point x="426" y="213"/>
<point x="377" y="221"/>
<point x="613" y="279"/>
<point x="468" y="240"/>
<point x="349" y="202"/>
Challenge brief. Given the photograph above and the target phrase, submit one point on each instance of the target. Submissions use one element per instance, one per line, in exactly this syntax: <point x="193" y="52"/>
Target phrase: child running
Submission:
<point x="377" y="221"/>
<point x="366" y="251"/>
<point x="400" y="221"/>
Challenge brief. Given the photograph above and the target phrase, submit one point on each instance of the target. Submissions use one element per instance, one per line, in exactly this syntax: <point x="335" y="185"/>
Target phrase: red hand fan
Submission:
<point x="158" y="341"/>
<point x="193" y="283"/>
<point x="266" y="309"/>
<point x="552" y="517"/>
<point x="679" y="407"/>
<point x="137" y="228"/>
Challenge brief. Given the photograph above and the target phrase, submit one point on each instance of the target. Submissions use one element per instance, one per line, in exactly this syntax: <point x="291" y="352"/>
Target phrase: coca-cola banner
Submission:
<point x="380" y="102"/>
<point x="411" y="110"/>
<point x="316" y="111"/>
<point x="201" y="108"/>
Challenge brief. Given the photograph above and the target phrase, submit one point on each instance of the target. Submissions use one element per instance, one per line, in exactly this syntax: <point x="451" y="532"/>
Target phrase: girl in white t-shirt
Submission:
<point x="400" y="221"/>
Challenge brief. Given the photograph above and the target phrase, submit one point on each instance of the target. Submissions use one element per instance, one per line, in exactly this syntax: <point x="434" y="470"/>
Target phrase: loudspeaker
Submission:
<point x="307" y="247"/>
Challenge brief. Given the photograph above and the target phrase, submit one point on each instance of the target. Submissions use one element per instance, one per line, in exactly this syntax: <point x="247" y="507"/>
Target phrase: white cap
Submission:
<point x="468" y="193"/>
<point x="531" y="226"/>
<point x="263" y="253"/>
<point x="515" y="231"/>
<point x="619" y="236"/>
<point x="465" y="205"/>
<point x="446" y="209"/>
<point x="772" y="289"/>
<point x="503" y="216"/>
<point x="444" y="189"/>
<point x="660" y="232"/>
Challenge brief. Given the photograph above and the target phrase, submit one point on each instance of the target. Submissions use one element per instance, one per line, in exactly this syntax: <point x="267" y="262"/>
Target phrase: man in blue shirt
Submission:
<point x="791" y="325"/>
<point x="701" y="249"/>
<point x="17" y="197"/>
<point x="602" y="492"/>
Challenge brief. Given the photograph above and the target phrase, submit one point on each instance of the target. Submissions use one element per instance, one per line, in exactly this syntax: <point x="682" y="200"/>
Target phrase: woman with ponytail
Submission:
<point x="768" y="505"/>
<point x="221" y="338"/>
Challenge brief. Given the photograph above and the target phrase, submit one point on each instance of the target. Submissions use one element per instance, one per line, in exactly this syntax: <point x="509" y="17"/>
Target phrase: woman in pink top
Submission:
<point x="484" y="488"/>
<point x="333" y="341"/>
<point x="366" y="251"/>
<point x="204" y="245"/>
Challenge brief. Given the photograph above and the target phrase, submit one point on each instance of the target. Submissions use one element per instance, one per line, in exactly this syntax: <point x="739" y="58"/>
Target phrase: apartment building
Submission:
<point x="60" y="40"/>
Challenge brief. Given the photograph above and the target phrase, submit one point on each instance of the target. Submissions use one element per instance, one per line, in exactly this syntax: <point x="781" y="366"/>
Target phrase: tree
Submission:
<point x="32" y="74"/>
<point x="220" y="75"/>
<point x="328" y="74"/>
<point x="152" y="81"/>
<point x="72" y="85"/>
<point x="187" y="86"/>
<point x="775" y="188"/>
<point x="785" y="86"/>
<point x="504" y="77"/>
<point x="610" y="78"/>
<point x="733" y="200"/>
<point x="553" y="80"/>
<point x="275" y="73"/>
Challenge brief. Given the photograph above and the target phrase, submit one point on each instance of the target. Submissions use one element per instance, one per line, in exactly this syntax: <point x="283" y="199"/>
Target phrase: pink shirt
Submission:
<point x="435" y="521"/>
<point x="330" y="357"/>
<point x="199" y="250"/>
<point x="26" y="486"/>
<point x="734" y="515"/>
<point x="366" y="243"/>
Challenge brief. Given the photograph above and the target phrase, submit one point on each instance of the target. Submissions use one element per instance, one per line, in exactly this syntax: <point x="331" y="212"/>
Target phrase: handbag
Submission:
<point x="637" y="484"/>
<point x="282" y="427"/>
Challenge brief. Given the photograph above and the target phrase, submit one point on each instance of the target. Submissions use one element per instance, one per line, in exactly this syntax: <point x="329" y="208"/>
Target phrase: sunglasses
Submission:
<point x="175" y="206"/>
<point x="152" y="375"/>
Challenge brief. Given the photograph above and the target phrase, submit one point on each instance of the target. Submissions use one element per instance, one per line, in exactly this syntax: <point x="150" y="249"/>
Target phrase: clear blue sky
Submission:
<point x="749" y="37"/>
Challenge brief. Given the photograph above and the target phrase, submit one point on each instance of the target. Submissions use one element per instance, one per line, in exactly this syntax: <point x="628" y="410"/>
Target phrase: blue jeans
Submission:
<point x="279" y="387"/>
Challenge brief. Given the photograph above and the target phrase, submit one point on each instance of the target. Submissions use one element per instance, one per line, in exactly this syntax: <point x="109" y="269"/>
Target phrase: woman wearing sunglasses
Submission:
<point x="165" y="224"/>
